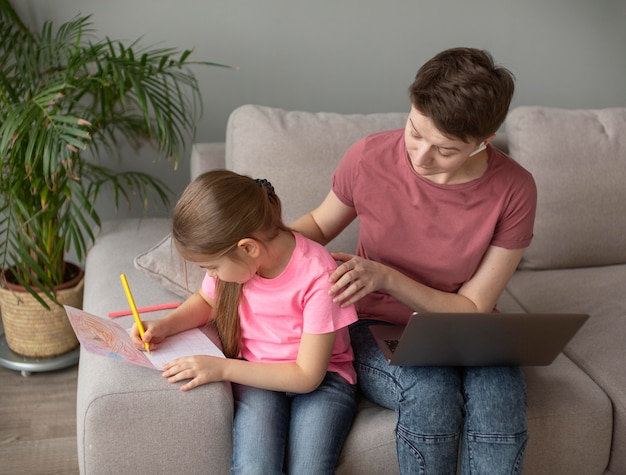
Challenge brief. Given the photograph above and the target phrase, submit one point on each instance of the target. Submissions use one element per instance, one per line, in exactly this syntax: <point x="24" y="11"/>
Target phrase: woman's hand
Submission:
<point x="355" y="278"/>
<point x="200" y="369"/>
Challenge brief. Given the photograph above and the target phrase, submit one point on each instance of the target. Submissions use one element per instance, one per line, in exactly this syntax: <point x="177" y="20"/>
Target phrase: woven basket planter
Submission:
<point x="33" y="331"/>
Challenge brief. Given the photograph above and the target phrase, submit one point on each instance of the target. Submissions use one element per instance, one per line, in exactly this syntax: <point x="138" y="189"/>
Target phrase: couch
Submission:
<point x="130" y="420"/>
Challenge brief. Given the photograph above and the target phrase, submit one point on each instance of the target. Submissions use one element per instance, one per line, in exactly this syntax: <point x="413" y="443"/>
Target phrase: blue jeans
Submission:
<point x="483" y="408"/>
<point x="277" y="432"/>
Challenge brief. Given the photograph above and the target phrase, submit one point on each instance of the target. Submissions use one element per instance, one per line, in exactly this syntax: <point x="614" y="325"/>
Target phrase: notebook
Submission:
<point x="478" y="339"/>
<point x="104" y="337"/>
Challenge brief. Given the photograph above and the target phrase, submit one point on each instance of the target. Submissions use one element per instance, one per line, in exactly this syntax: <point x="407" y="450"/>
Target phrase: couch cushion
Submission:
<point x="599" y="347"/>
<point x="566" y="406"/>
<point x="371" y="444"/>
<point x="298" y="152"/>
<point x="578" y="159"/>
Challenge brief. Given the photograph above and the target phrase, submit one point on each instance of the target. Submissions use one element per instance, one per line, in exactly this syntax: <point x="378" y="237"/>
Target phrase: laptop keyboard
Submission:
<point x="392" y="344"/>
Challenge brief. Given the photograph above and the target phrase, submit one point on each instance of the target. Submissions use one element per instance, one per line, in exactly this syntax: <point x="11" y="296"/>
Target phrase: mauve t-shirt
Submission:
<point x="435" y="234"/>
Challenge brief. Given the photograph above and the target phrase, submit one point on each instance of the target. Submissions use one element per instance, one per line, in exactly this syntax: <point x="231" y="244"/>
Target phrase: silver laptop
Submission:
<point x="477" y="339"/>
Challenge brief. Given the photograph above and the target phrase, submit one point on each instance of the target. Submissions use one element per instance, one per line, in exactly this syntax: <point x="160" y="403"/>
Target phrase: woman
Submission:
<point x="444" y="221"/>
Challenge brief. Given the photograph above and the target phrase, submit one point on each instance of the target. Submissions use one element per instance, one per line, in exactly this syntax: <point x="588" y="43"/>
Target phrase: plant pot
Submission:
<point x="33" y="331"/>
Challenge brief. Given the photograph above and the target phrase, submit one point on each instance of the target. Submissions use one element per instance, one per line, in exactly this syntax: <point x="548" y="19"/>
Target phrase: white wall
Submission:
<point x="359" y="56"/>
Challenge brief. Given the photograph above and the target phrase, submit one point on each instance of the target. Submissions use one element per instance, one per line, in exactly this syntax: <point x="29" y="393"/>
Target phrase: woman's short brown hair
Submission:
<point x="464" y="93"/>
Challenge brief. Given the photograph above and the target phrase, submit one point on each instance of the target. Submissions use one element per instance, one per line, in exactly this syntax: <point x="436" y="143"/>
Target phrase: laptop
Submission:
<point x="477" y="339"/>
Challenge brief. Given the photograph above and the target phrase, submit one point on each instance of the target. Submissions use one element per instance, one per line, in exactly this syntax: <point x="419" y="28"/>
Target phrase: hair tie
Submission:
<point x="267" y="185"/>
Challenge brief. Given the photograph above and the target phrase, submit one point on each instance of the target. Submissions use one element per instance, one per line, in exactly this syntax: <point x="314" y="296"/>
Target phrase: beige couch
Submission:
<point x="131" y="421"/>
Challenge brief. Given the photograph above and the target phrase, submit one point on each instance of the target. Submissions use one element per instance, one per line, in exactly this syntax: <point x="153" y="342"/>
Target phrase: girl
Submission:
<point x="287" y="344"/>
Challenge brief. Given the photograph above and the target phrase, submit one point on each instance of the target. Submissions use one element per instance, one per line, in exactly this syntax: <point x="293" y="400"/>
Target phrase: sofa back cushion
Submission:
<point x="578" y="159"/>
<point x="298" y="152"/>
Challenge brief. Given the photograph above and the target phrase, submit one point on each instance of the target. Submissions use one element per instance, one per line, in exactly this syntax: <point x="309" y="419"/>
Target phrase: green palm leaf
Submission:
<point x="66" y="97"/>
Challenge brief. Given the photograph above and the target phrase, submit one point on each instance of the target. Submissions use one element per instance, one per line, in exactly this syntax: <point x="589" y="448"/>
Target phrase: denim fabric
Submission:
<point x="277" y="432"/>
<point x="483" y="408"/>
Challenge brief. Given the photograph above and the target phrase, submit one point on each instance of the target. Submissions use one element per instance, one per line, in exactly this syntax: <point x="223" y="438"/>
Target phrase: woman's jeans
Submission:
<point x="277" y="432"/>
<point x="482" y="407"/>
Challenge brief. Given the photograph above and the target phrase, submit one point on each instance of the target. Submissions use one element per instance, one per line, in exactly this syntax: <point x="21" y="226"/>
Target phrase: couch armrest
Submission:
<point x="207" y="156"/>
<point x="129" y="419"/>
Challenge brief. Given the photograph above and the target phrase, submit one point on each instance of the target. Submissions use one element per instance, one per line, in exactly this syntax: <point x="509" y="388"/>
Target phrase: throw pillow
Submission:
<point x="164" y="264"/>
<point x="578" y="160"/>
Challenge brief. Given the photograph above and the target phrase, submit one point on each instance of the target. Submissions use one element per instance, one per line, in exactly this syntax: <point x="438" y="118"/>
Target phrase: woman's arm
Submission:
<point x="326" y="221"/>
<point x="357" y="277"/>
<point x="193" y="312"/>
<point x="303" y="376"/>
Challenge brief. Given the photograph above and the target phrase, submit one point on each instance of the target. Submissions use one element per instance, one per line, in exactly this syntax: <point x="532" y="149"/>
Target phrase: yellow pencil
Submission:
<point x="133" y="308"/>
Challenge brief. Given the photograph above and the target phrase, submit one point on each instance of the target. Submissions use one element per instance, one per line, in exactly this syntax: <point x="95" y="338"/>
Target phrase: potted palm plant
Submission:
<point x="64" y="98"/>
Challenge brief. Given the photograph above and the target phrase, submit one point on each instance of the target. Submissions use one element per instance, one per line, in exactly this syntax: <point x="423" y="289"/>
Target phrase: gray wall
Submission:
<point x="359" y="56"/>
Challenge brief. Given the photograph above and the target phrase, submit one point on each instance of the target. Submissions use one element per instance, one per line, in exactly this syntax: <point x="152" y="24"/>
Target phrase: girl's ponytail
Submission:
<point x="227" y="295"/>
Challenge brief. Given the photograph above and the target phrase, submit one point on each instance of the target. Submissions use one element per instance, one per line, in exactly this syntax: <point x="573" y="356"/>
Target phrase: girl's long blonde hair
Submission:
<point x="216" y="211"/>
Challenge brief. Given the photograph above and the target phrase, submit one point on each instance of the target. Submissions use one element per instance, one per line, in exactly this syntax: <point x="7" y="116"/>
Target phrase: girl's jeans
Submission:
<point x="277" y="432"/>
<point x="482" y="407"/>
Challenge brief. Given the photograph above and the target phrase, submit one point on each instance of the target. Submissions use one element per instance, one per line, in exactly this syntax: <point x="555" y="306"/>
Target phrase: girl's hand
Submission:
<point x="200" y="369"/>
<point x="155" y="332"/>
<point x="355" y="278"/>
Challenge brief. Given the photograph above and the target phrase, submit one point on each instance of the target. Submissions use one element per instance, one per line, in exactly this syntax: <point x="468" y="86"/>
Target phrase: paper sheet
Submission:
<point x="107" y="338"/>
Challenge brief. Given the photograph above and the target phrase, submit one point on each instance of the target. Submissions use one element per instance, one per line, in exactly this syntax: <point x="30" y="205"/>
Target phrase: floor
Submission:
<point x="38" y="423"/>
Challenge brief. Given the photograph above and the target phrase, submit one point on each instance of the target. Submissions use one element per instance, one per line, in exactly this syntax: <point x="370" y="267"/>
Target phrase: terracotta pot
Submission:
<point x="33" y="331"/>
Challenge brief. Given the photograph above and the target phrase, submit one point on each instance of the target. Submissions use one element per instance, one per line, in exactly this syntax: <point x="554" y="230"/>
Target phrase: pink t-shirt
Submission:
<point x="435" y="234"/>
<point x="275" y="312"/>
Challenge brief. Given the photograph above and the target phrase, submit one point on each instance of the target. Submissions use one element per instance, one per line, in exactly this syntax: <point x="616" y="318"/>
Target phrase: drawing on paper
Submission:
<point x="106" y="338"/>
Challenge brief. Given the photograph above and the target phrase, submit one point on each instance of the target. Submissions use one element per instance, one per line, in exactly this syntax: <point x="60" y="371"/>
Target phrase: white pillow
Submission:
<point x="164" y="264"/>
